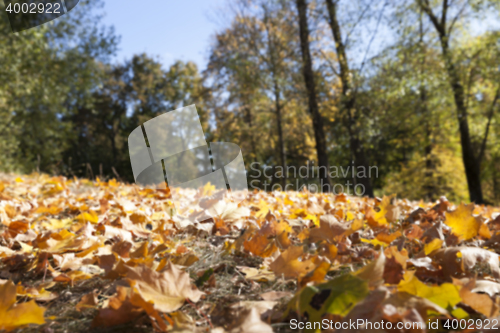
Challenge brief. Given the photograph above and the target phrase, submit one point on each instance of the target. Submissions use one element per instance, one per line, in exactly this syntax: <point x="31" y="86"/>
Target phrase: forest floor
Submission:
<point x="102" y="256"/>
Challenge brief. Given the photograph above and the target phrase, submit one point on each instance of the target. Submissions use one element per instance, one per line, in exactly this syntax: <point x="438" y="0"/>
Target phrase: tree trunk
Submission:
<point x="425" y="113"/>
<point x="348" y="101"/>
<point x="281" y="141"/>
<point x="471" y="162"/>
<point x="307" y="69"/>
<point x="277" y="103"/>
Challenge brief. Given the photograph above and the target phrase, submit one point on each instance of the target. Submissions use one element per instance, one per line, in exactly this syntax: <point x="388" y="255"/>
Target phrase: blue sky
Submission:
<point x="169" y="29"/>
<point x="182" y="29"/>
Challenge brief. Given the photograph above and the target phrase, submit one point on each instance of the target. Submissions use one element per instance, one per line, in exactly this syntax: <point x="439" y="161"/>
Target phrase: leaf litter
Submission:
<point x="80" y="255"/>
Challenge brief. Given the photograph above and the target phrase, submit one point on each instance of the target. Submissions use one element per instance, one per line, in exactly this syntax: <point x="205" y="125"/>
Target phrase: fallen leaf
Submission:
<point x="432" y="246"/>
<point x="446" y="295"/>
<point x="166" y="290"/>
<point x="292" y="263"/>
<point x="119" y="310"/>
<point x="259" y="275"/>
<point x="336" y="297"/>
<point x="14" y="315"/>
<point x="480" y="302"/>
<point x="458" y="261"/>
<point x="251" y="323"/>
<point x="87" y="301"/>
<point x="275" y="295"/>
<point x="329" y="229"/>
<point x="462" y="222"/>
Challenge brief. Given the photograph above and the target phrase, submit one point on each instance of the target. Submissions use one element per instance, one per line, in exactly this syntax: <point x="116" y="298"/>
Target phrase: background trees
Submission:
<point x="408" y="86"/>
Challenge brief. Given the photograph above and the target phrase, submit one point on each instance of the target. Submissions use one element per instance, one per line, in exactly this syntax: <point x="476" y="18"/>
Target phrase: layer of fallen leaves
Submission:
<point x="86" y="255"/>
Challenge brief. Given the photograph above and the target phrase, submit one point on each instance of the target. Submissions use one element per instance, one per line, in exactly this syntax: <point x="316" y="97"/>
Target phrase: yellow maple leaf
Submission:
<point x="14" y="315"/>
<point x="377" y="219"/>
<point x="113" y="183"/>
<point x="374" y="242"/>
<point x="264" y="208"/>
<point x="446" y="295"/>
<point x="463" y="224"/>
<point x="434" y="245"/>
<point x="91" y="217"/>
<point x="207" y="190"/>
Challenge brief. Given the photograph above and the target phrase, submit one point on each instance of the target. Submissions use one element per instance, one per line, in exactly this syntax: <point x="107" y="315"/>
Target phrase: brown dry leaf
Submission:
<point x="71" y="277"/>
<point x="184" y="260"/>
<point x="39" y="292"/>
<point x="228" y="212"/>
<point x="489" y="287"/>
<point x="395" y="265"/>
<point x="260" y="243"/>
<point x="14" y="315"/>
<point x="259" y="275"/>
<point x="373" y="273"/>
<point x="119" y="310"/>
<point x="87" y="301"/>
<point x="367" y="308"/>
<point x="275" y="295"/>
<point x="67" y="261"/>
<point x="138" y="218"/>
<point x="480" y="302"/>
<point x="436" y="232"/>
<point x="166" y="290"/>
<point x="329" y="229"/>
<point x="250" y="322"/>
<point x="292" y="263"/>
<point x="458" y="261"/>
<point x="414" y="233"/>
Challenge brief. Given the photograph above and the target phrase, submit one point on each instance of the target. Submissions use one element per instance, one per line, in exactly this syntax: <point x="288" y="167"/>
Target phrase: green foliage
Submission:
<point x="66" y="109"/>
<point x="46" y="72"/>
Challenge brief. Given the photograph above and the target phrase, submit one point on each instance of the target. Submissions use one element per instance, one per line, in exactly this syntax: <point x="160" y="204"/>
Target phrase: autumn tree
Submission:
<point x="308" y="73"/>
<point x="348" y="100"/>
<point x="254" y="73"/>
<point x="445" y="24"/>
<point x="47" y="72"/>
<point x="132" y="93"/>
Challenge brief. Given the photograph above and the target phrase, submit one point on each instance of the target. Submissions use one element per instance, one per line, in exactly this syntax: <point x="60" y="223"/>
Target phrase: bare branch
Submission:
<point x="330" y="63"/>
<point x="455" y="19"/>
<point x="490" y="116"/>
<point x="357" y="22"/>
<point x="424" y="4"/>
<point x="373" y="37"/>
